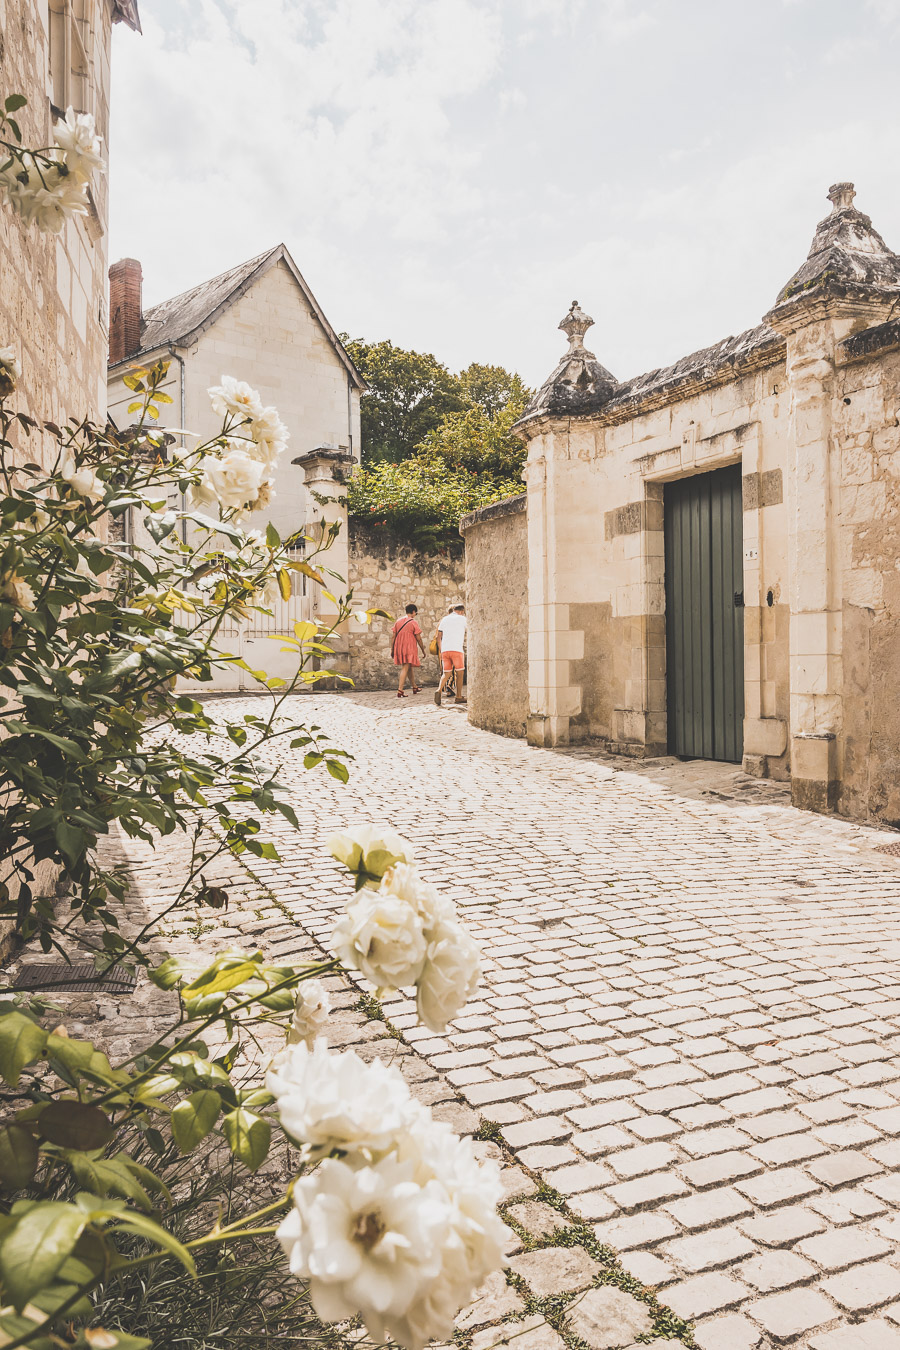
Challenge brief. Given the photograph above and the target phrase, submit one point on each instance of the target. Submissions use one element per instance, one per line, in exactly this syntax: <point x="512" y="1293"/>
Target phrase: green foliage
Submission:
<point x="409" y="395"/>
<point x="54" y="1252"/>
<point x="95" y="633"/>
<point x="421" y="502"/>
<point x="435" y="446"/>
<point x="481" y="442"/>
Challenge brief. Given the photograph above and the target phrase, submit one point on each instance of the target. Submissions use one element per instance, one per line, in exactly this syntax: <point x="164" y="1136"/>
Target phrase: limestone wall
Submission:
<point x="865" y="412"/>
<point x="53" y="297"/>
<point x="497" y="606"/>
<point x="597" y="583"/>
<point x="387" y="576"/>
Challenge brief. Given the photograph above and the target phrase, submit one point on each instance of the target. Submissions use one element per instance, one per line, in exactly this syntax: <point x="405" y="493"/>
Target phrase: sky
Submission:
<point x="451" y="174"/>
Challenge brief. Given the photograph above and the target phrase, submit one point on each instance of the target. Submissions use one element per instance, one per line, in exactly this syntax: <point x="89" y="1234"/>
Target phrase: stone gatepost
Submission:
<point x="325" y="473"/>
<point x="832" y="295"/>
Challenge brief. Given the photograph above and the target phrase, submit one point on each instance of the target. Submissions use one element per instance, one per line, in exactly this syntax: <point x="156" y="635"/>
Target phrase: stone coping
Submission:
<point x="509" y="506"/>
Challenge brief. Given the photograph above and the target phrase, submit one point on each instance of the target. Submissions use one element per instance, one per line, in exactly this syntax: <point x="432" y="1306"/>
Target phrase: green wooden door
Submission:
<point x="705" y="615"/>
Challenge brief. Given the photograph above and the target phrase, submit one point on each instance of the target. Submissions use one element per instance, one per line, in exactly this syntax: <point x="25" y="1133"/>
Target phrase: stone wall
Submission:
<point x="53" y="298"/>
<point x="865" y="428"/>
<point x="497" y="593"/>
<point x="388" y="576"/>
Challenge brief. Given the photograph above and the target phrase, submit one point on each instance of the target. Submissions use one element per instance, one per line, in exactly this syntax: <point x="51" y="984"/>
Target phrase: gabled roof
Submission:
<point x="179" y="322"/>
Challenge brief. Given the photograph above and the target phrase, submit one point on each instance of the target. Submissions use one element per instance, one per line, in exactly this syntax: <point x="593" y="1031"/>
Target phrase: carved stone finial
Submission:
<point x="841" y="197"/>
<point x="575" y="325"/>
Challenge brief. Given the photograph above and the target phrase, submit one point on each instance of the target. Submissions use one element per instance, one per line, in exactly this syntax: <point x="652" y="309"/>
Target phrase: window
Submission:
<point x="69" y="65"/>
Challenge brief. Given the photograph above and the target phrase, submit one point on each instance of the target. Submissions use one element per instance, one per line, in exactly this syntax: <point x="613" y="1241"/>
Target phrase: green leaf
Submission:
<point x="338" y="770"/>
<point x="21" y="1042"/>
<point x="75" y="1055"/>
<point x="34" y="1250"/>
<point x="75" y="1125"/>
<point x="69" y="747"/>
<point x="108" y="1176"/>
<point x="273" y="538"/>
<point x="168" y="974"/>
<point x="284" y="583"/>
<point x="248" y="1137"/>
<point x="193" y="1118"/>
<point x="143" y="1227"/>
<point x="14" y="102"/>
<point x="214" y="981"/>
<point x="18" y="1157"/>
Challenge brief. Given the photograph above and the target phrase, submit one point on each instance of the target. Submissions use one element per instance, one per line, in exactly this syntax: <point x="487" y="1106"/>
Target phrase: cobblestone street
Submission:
<point x="689" y="1023"/>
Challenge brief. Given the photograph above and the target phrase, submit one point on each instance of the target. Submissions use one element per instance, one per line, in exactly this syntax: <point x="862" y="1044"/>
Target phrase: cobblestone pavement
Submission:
<point x="689" y="1023"/>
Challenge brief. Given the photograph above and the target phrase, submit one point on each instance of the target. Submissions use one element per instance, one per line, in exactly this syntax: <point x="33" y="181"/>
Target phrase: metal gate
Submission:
<point x="705" y="615"/>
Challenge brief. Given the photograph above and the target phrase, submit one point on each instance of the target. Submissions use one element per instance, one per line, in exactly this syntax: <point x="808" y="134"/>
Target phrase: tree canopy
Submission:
<point x="435" y="445"/>
<point x="410" y="393"/>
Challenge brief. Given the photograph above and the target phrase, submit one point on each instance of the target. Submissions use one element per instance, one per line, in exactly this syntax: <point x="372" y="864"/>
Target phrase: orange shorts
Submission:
<point x="452" y="660"/>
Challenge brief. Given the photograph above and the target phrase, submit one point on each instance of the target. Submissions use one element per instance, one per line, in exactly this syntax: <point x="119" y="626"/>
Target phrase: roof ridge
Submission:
<point x="251" y="264"/>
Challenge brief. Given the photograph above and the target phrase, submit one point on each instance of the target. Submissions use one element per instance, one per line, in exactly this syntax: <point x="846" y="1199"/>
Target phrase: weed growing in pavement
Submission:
<point x="577" y="1233"/>
<point x="488" y="1131"/>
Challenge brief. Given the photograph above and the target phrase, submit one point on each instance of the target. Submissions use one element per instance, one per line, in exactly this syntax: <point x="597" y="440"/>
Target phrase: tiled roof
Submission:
<point x="181" y="320"/>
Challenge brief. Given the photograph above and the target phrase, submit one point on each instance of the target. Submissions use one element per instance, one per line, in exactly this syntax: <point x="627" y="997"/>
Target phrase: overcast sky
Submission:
<point x="450" y="174"/>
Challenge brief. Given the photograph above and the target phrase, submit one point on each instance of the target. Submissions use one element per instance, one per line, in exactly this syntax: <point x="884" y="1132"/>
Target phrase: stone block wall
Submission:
<point x="53" y="297"/>
<point x="866" y="408"/>
<point x="390" y="577"/>
<point x="497" y="605"/>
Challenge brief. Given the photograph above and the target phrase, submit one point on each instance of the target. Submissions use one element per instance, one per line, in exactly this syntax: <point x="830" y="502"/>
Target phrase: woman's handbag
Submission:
<point x="433" y="644"/>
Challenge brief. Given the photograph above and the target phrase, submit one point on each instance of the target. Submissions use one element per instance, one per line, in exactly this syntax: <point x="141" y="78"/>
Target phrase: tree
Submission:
<point x="491" y="388"/>
<point x="479" y="440"/>
<point x="410" y="393"/>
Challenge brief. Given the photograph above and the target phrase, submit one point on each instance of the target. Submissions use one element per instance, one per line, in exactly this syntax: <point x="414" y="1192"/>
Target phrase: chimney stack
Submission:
<point x="124" y="309"/>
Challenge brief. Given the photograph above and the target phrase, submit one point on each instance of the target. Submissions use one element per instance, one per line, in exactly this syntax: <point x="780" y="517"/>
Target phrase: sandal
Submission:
<point x="417" y="688"/>
<point x="401" y="693"/>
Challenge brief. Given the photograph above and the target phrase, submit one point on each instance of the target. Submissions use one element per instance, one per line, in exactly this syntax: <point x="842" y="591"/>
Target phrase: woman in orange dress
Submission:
<point x="406" y="643"/>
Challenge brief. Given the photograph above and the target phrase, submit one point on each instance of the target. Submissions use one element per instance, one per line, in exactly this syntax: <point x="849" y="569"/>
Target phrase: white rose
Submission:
<point x="233" y="481"/>
<point x="405" y="882"/>
<point x="450" y="975"/>
<point x="473" y="1247"/>
<point x="269" y="434"/>
<point x="328" y="1101"/>
<point x="368" y="1241"/>
<point x="311" y="1012"/>
<point x="77" y="138"/>
<point x="370" y="849"/>
<point x="236" y="398"/>
<point x="382" y="937"/>
<point x="81" y="479"/>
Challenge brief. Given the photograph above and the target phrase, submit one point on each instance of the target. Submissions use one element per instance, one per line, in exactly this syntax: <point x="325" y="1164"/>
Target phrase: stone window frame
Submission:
<point x="69" y="65"/>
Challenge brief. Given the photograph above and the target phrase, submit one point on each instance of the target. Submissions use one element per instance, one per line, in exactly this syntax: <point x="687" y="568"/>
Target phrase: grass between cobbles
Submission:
<point x="574" y="1233"/>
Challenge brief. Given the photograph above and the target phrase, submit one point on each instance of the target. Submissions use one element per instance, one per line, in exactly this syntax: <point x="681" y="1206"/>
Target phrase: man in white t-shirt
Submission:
<point x="451" y="634"/>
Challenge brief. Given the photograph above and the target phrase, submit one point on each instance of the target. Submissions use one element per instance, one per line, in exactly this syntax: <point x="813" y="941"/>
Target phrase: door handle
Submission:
<point x="739" y="599"/>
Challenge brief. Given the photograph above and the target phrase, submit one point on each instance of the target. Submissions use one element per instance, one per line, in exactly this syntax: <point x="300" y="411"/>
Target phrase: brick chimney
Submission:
<point x="124" y="309"/>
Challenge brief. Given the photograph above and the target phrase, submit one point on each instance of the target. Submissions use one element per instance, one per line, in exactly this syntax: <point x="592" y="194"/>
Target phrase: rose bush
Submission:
<point x="97" y="625"/>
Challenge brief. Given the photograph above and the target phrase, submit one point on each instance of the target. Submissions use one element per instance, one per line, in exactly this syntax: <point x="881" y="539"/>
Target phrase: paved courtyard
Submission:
<point x="689" y="1024"/>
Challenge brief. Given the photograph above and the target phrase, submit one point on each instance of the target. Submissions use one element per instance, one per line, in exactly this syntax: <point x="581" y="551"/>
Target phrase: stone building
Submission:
<point x="711" y="551"/>
<point x="259" y="322"/>
<point x="53" y="297"/>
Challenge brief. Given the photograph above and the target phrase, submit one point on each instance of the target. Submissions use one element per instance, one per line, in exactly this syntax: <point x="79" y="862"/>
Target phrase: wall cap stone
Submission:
<point x="510" y="506"/>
